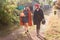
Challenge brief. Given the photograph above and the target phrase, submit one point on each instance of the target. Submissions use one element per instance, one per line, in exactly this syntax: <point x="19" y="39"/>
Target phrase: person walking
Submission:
<point x="38" y="17"/>
<point x="25" y="18"/>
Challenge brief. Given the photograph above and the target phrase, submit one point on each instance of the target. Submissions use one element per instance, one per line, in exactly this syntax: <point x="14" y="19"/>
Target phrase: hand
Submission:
<point x="31" y="14"/>
<point x="43" y="21"/>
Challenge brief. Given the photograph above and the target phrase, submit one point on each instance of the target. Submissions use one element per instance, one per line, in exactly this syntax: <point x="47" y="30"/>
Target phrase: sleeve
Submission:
<point x="43" y="19"/>
<point x="42" y="14"/>
<point x="34" y="16"/>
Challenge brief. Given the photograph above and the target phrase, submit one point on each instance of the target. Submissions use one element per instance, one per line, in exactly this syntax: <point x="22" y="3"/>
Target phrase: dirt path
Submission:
<point x="19" y="34"/>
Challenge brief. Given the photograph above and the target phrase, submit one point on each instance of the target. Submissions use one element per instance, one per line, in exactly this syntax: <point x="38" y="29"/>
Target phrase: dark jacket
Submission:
<point x="38" y="16"/>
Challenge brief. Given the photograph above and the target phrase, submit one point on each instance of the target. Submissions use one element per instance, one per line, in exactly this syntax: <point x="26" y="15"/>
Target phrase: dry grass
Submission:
<point x="53" y="28"/>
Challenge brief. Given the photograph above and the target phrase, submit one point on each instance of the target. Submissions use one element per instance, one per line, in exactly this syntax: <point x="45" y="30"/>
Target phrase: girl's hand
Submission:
<point x="31" y="14"/>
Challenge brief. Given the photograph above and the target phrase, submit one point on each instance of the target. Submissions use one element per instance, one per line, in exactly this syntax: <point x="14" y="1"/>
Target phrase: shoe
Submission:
<point x="38" y="36"/>
<point x="43" y="37"/>
<point x="26" y="32"/>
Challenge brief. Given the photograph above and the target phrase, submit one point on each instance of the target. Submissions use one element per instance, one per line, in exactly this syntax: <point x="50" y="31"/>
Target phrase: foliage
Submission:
<point x="7" y="16"/>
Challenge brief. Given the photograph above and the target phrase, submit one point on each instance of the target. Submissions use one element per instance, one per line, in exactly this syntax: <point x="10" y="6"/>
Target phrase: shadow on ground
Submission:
<point x="12" y="33"/>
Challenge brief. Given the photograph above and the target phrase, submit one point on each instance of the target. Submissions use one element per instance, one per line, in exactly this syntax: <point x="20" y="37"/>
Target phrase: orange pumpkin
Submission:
<point x="22" y="14"/>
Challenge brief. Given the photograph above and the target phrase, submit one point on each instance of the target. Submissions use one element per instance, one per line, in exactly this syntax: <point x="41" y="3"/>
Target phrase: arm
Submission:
<point x="34" y="16"/>
<point x="43" y="19"/>
<point x="42" y="14"/>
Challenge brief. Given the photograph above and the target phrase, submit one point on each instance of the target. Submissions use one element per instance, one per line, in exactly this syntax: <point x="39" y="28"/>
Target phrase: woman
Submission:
<point x="25" y="18"/>
<point x="38" y="18"/>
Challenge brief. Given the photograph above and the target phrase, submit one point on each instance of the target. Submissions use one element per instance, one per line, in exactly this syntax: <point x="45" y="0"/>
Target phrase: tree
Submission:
<point x="7" y="16"/>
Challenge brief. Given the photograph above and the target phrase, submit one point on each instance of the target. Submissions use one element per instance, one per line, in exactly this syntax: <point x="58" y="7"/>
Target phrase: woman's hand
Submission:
<point x="43" y="21"/>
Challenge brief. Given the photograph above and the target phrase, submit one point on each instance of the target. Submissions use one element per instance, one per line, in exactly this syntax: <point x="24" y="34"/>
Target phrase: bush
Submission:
<point x="7" y="16"/>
